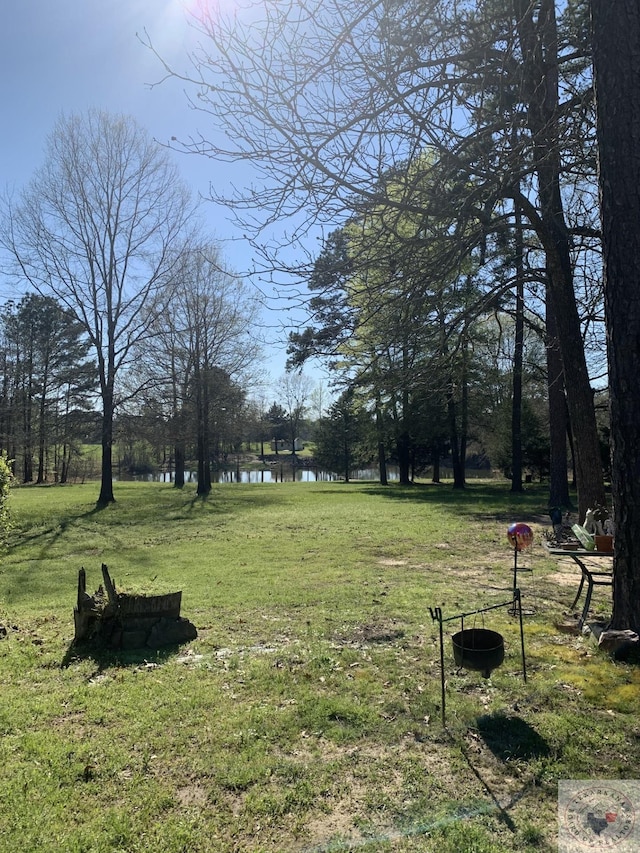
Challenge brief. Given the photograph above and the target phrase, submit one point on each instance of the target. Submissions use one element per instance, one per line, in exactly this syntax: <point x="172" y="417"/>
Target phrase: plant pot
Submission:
<point x="604" y="543"/>
<point x="478" y="649"/>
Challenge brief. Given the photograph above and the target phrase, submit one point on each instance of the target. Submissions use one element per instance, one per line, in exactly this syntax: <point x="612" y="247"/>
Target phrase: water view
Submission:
<point x="273" y="474"/>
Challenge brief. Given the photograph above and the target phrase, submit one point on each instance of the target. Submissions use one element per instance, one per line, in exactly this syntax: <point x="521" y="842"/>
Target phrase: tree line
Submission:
<point x="48" y="383"/>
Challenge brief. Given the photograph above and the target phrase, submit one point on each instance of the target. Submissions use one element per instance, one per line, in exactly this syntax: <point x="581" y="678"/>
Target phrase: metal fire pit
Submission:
<point x="478" y="649"/>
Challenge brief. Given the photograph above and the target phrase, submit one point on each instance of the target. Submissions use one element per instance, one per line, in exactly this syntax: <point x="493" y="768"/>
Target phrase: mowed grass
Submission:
<point x="307" y="714"/>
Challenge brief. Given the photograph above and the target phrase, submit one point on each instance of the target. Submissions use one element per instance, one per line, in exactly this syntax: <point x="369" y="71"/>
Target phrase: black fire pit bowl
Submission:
<point x="478" y="649"/>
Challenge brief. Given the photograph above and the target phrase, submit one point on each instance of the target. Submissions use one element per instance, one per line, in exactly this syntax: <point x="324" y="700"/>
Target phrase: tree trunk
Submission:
<point x="178" y="479"/>
<point x="458" y="465"/>
<point x="579" y="395"/>
<point x="347" y="454"/>
<point x="27" y="402"/>
<point x="616" y="52"/>
<point x="457" y="462"/>
<point x="558" y="422"/>
<point x="435" y="461"/>
<point x="464" y="408"/>
<point x="382" y="456"/>
<point x="518" y="355"/>
<point x="203" y="445"/>
<point x="206" y="435"/>
<point x="42" y="415"/>
<point x="106" y="480"/>
<point x="539" y="46"/>
<point x="204" y="469"/>
<point x="65" y="462"/>
<point x="402" y="449"/>
<point x="403" y="438"/>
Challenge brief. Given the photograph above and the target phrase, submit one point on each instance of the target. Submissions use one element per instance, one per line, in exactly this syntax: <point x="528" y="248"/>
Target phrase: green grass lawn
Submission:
<point x="306" y="717"/>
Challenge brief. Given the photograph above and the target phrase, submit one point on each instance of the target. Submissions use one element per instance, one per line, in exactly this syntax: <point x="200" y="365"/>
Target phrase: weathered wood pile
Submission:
<point x="117" y="620"/>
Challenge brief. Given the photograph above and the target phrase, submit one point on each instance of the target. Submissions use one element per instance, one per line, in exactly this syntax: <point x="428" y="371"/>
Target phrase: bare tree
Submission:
<point x="294" y="390"/>
<point x="319" y="398"/>
<point x="204" y="347"/>
<point x="97" y="227"/>
<point x="616" y="31"/>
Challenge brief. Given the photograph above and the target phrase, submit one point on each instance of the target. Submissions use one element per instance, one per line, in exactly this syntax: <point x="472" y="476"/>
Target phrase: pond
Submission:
<point x="272" y="474"/>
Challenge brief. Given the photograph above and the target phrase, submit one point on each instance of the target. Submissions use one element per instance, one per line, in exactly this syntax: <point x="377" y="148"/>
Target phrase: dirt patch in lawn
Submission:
<point x="192" y="796"/>
<point x="414" y="781"/>
<point x="567" y="578"/>
<point x="382" y="631"/>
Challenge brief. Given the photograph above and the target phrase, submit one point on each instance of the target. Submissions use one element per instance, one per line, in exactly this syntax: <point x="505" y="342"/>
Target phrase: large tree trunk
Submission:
<point x="106" y="479"/>
<point x="42" y="472"/>
<point x="518" y="356"/>
<point x="456" y="460"/>
<point x="204" y="463"/>
<point x="346" y="453"/>
<point x="403" y="451"/>
<point x="435" y="461"/>
<point x="616" y="53"/>
<point x="382" y="455"/>
<point x="579" y="394"/>
<point x="464" y="407"/>
<point x="539" y="46"/>
<point x="27" y="431"/>
<point x="558" y="422"/>
<point x="42" y="411"/>
<point x="179" y="454"/>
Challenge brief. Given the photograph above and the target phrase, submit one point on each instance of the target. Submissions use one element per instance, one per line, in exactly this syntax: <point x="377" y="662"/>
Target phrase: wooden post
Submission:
<point x="82" y="586"/>
<point x="109" y="586"/>
<point x="81" y="613"/>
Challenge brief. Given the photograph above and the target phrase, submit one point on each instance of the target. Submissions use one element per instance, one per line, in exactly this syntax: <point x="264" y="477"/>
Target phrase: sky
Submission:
<point x="67" y="56"/>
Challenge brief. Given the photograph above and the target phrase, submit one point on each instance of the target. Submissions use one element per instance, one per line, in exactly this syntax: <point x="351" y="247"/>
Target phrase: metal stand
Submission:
<point x="436" y="614"/>
<point x="516" y="569"/>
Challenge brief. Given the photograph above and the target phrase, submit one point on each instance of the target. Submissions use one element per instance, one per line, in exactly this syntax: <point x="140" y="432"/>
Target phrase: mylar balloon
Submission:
<point x="520" y="535"/>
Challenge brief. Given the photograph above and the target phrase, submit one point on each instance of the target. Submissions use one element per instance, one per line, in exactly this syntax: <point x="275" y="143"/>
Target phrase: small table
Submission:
<point x="591" y="576"/>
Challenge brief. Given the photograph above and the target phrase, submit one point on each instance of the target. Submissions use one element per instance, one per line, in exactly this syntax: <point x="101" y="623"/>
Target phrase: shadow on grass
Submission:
<point x="499" y="501"/>
<point x="130" y="510"/>
<point x="51" y="534"/>
<point x="511" y="737"/>
<point x="105" y="659"/>
<point x="507" y="738"/>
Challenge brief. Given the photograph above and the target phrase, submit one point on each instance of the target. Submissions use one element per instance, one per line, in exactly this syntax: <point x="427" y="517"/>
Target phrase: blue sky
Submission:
<point x="70" y="55"/>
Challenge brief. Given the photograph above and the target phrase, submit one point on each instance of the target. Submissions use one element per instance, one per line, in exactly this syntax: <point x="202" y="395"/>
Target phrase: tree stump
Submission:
<point x="116" y="620"/>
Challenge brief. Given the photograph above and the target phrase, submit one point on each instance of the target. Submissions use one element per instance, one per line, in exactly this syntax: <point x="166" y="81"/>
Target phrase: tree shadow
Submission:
<point x="471" y="500"/>
<point x="50" y="535"/>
